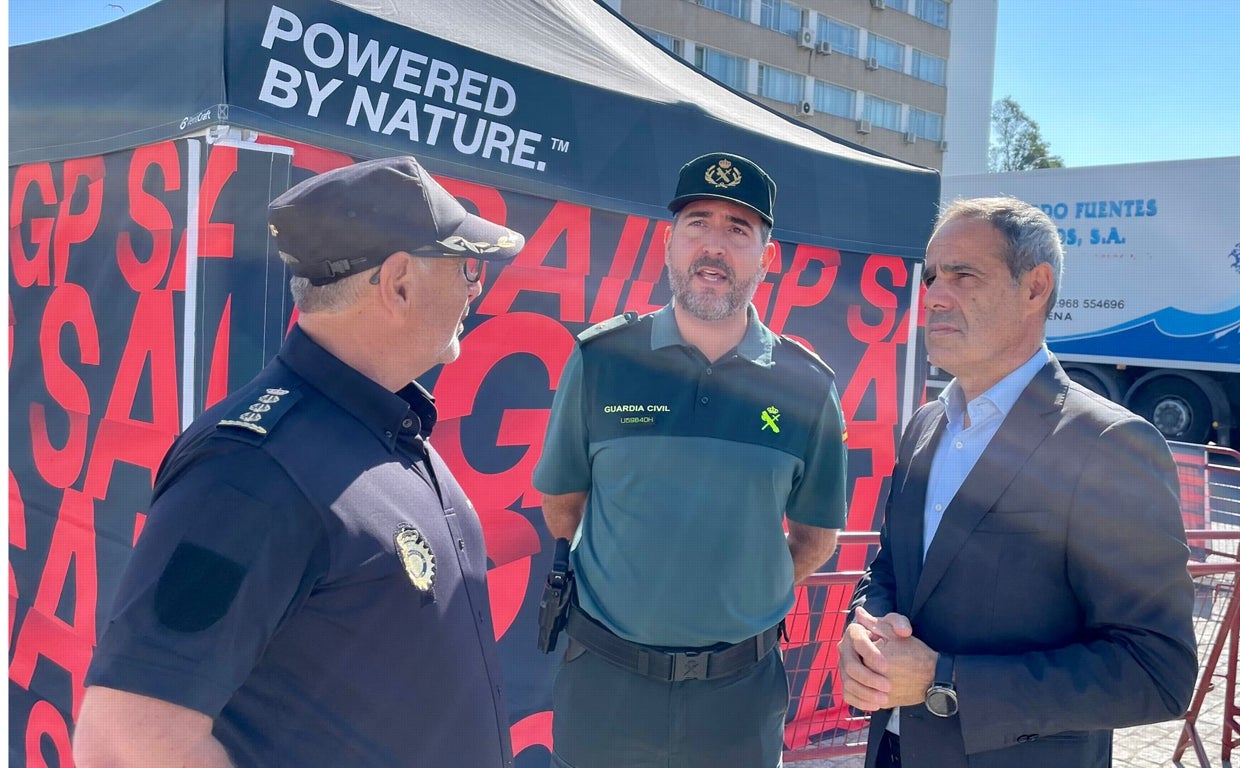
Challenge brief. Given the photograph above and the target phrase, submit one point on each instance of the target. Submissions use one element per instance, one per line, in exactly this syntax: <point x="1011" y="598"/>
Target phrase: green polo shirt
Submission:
<point x="691" y="467"/>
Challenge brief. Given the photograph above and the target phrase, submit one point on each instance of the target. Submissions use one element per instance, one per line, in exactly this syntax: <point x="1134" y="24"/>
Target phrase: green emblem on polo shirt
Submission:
<point x="770" y="419"/>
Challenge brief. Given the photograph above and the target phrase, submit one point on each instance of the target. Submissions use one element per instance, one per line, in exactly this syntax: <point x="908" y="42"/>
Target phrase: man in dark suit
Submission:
<point x="1030" y="592"/>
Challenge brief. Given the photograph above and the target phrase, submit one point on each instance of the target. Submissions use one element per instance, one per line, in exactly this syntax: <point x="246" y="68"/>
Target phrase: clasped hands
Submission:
<point x="882" y="665"/>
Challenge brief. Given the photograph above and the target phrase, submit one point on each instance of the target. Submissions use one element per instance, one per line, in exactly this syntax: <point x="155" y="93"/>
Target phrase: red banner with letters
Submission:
<point x="143" y="287"/>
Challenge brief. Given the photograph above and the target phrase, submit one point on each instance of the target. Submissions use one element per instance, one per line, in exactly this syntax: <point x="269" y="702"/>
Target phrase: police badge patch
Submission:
<point x="415" y="552"/>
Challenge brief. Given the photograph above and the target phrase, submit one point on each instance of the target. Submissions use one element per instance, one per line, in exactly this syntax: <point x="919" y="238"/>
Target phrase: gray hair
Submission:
<point x="1030" y="237"/>
<point x="332" y="297"/>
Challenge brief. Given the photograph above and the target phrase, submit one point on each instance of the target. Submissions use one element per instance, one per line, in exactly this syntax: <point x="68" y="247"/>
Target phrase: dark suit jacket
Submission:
<point x="1057" y="577"/>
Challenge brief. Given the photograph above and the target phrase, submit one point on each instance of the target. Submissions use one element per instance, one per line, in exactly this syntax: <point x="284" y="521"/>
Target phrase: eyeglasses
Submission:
<point x="473" y="269"/>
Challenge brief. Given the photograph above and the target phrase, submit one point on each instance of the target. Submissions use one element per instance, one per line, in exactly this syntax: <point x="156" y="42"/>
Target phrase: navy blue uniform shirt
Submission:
<point x="312" y="577"/>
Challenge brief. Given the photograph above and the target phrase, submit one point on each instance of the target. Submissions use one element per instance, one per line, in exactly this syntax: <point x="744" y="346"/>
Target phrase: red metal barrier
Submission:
<point x="819" y="723"/>
<point x="1210" y="501"/>
<point x="1215" y="619"/>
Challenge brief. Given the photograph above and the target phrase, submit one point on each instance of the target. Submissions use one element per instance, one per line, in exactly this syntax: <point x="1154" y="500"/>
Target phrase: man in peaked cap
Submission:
<point x="679" y="443"/>
<point x="310" y="586"/>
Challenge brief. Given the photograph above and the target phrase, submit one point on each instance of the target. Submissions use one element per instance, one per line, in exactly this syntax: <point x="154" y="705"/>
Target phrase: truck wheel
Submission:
<point x="1176" y="406"/>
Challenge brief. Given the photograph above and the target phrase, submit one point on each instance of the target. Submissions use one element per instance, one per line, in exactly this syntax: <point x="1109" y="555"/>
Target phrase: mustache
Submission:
<point x="717" y="264"/>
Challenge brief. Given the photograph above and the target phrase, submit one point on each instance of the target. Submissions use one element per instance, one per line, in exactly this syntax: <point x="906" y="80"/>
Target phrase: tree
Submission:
<point x="1016" y="142"/>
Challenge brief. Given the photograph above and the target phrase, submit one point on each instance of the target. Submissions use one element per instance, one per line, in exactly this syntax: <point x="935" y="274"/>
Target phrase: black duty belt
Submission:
<point x="666" y="665"/>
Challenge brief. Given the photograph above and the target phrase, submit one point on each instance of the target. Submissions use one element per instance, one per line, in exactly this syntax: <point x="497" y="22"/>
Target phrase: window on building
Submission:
<point x="782" y="16"/>
<point x="844" y="38"/>
<point x="730" y="70"/>
<point x="929" y="68"/>
<point x="927" y="125"/>
<point x="889" y="53"/>
<point x="835" y="100"/>
<point x="880" y="112"/>
<point x="899" y="5"/>
<point x="737" y="8"/>
<point x="780" y="84"/>
<point x="933" y="11"/>
<point x="673" y="44"/>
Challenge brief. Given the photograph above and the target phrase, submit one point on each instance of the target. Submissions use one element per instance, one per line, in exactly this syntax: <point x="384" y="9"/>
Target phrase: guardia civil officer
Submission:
<point x="679" y="443"/>
<point x="310" y="587"/>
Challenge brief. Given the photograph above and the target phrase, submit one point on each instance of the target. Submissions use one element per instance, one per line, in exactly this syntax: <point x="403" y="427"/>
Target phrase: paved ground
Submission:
<point x="1145" y="746"/>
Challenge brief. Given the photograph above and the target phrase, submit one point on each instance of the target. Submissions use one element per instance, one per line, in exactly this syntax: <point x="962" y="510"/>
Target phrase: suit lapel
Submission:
<point x="909" y="512"/>
<point x="1008" y="452"/>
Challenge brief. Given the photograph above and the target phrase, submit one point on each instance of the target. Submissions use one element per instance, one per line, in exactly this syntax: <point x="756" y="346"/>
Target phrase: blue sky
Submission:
<point x="1124" y="81"/>
<point x="1108" y="81"/>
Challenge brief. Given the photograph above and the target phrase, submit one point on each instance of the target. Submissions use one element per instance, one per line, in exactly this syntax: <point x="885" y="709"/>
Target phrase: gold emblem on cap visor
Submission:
<point x="461" y="245"/>
<point x="723" y="175"/>
<point x="274" y="232"/>
<point x="417" y="556"/>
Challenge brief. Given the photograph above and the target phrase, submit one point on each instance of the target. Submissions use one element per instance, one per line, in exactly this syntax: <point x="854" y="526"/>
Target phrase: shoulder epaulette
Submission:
<point x="794" y="344"/>
<point x="260" y="416"/>
<point x="607" y="326"/>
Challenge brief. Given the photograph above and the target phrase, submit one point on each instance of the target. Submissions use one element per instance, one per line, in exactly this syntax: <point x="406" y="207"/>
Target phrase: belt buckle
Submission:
<point x="690" y="665"/>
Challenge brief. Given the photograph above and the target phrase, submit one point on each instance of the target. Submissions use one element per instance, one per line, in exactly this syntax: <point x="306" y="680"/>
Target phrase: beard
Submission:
<point x="708" y="305"/>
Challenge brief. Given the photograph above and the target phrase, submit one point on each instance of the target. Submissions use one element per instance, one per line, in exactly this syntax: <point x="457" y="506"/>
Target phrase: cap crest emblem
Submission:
<point x="723" y="175"/>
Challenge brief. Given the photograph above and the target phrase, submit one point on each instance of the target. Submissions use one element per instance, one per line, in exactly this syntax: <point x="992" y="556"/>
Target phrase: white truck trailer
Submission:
<point x="1149" y="311"/>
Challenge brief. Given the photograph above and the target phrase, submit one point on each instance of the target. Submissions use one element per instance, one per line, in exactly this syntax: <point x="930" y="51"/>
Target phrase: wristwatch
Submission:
<point x="941" y="695"/>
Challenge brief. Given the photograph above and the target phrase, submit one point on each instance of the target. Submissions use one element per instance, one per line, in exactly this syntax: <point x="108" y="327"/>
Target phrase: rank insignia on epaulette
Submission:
<point x="607" y="326"/>
<point x="794" y="343"/>
<point x="416" y="554"/>
<point x="262" y="414"/>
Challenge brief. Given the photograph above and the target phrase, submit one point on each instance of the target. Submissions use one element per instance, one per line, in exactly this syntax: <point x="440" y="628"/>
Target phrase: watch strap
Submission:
<point x="945" y="671"/>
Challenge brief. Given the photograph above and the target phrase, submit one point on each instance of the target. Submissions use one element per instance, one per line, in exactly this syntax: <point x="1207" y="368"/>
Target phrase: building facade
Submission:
<point x="874" y="72"/>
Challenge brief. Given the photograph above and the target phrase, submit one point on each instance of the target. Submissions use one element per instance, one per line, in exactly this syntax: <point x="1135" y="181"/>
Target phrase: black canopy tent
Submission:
<point x="616" y="114"/>
<point x="143" y="285"/>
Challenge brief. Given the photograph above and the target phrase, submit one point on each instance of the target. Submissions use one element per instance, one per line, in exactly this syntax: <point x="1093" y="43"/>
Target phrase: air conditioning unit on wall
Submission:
<point x="806" y="39"/>
<point x="943" y="145"/>
<point x="824" y="48"/>
<point x="805" y="109"/>
<point x="910" y="138"/>
<point x="871" y="63"/>
<point x="863" y="126"/>
<point x="879" y="4"/>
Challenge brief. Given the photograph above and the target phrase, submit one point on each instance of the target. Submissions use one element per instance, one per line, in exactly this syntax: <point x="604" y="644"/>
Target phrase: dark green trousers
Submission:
<point x="608" y="717"/>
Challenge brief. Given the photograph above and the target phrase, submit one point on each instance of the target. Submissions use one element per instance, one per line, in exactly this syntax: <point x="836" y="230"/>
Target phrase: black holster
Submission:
<point x="557" y="594"/>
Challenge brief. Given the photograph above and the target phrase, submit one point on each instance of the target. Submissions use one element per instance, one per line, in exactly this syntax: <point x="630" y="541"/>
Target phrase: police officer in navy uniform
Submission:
<point x="310" y="586"/>
<point x="679" y="443"/>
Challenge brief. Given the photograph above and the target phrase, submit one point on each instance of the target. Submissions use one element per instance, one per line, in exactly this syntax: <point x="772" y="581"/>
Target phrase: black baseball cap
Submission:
<point x="351" y="219"/>
<point x="723" y="176"/>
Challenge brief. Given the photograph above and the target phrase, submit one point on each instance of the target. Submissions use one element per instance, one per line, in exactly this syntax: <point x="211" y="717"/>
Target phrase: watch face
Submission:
<point x="941" y="702"/>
